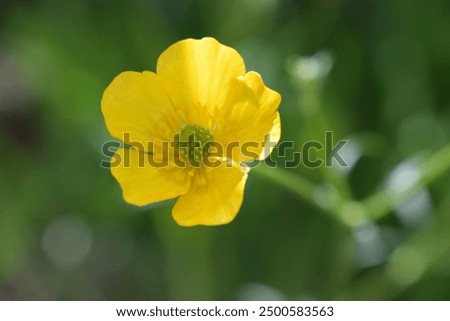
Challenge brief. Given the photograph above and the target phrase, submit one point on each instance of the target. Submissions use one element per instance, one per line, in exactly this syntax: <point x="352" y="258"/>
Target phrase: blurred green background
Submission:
<point x="374" y="72"/>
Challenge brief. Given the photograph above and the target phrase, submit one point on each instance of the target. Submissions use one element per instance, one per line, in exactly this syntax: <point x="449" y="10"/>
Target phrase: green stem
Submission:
<point x="381" y="203"/>
<point x="296" y="184"/>
<point x="188" y="258"/>
<point x="300" y="187"/>
<point x="410" y="262"/>
<point x="375" y="206"/>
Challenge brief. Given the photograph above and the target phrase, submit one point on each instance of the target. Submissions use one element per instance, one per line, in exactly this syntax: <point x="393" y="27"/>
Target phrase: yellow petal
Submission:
<point x="137" y="110"/>
<point x="272" y="138"/>
<point x="214" y="202"/>
<point x="248" y="115"/>
<point x="195" y="74"/>
<point x="142" y="182"/>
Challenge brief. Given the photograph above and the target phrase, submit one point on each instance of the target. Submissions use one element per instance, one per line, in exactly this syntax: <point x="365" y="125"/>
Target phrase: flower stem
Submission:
<point x="188" y="258"/>
<point x="375" y="206"/>
<point x="296" y="184"/>
<point x="381" y="203"/>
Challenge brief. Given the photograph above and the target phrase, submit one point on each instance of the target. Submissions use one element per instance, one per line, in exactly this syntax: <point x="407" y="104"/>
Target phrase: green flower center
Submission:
<point x="193" y="143"/>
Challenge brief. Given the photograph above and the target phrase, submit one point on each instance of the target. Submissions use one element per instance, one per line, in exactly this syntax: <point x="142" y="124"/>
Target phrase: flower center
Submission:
<point x="193" y="143"/>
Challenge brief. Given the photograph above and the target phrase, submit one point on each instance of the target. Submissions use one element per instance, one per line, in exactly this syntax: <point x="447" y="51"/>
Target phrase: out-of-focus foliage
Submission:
<point x="376" y="73"/>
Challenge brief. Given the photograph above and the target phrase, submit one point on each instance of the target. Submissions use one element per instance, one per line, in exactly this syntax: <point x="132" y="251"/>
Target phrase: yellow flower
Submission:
<point x="201" y="91"/>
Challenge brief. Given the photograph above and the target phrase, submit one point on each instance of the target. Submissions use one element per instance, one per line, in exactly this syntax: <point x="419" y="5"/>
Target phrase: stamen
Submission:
<point x="193" y="143"/>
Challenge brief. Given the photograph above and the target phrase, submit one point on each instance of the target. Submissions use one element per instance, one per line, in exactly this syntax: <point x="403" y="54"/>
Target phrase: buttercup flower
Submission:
<point x="191" y="126"/>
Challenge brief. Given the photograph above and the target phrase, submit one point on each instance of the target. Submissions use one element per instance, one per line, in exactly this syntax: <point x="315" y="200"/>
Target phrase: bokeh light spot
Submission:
<point x="67" y="242"/>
